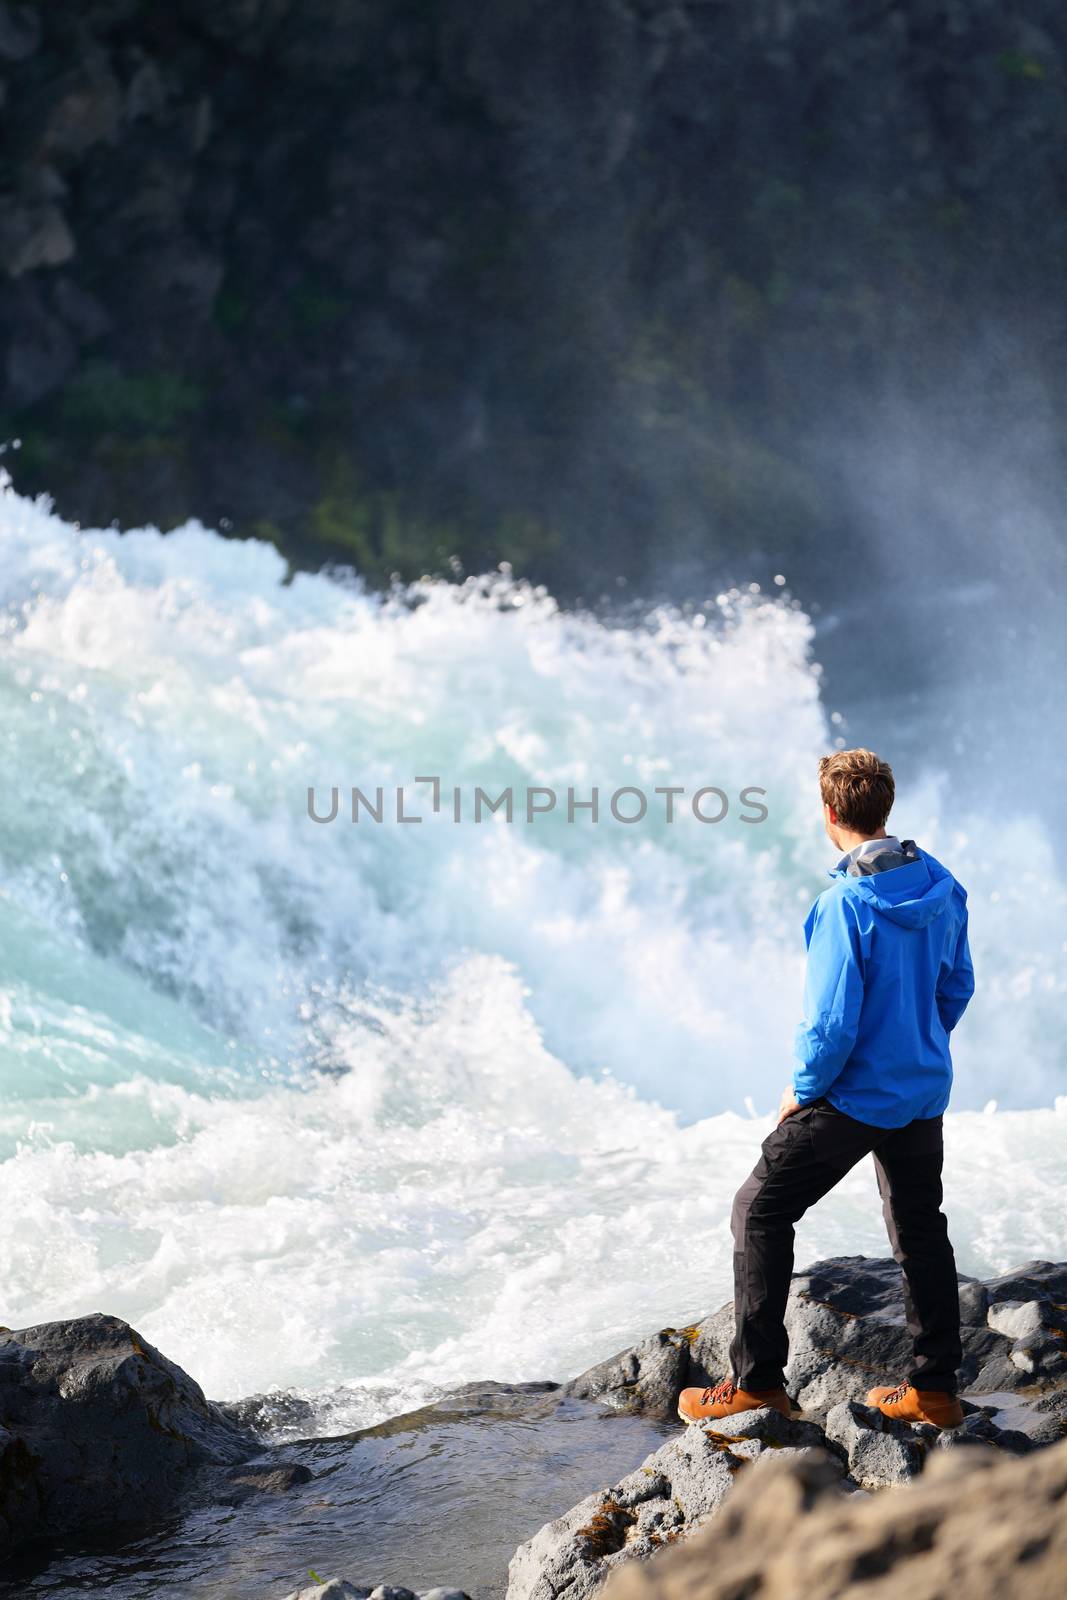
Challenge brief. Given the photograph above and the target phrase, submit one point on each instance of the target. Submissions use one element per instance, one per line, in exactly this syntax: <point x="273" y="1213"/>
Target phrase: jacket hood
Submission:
<point x="911" y="894"/>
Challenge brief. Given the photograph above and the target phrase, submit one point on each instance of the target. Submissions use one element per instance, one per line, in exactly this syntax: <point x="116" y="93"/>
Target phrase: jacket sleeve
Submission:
<point x="956" y="984"/>
<point x="833" y="997"/>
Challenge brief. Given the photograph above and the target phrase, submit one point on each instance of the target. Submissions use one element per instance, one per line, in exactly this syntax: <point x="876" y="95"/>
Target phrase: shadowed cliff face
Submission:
<point x="662" y="290"/>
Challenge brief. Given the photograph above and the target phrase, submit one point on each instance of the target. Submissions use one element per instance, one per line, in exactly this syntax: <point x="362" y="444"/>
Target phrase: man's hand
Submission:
<point x="789" y="1104"/>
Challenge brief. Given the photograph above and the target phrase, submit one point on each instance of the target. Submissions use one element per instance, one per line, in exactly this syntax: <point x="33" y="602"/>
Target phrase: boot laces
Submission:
<point x="719" y="1393"/>
<point x="898" y="1393"/>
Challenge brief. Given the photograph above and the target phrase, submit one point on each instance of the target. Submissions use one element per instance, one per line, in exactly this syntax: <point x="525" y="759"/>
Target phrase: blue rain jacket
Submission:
<point x="889" y="976"/>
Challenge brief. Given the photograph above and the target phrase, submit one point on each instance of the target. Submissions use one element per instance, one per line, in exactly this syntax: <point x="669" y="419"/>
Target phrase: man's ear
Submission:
<point x="831" y="815"/>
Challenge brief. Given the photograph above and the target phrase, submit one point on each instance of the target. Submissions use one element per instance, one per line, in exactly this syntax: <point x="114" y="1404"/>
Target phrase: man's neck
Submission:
<point x="847" y="841"/>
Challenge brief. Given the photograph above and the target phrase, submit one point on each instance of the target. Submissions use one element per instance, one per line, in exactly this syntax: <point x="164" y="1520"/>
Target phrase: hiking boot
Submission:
<point x="724" y="1399"/>
<point x="908" y="1404"/>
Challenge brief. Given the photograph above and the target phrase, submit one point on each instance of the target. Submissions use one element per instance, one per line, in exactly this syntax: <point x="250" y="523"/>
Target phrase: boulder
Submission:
<point x="974" y="1524"/>
<point x="880" y="1451"/>
<point x="1015" y="1318"/>
<point x="1027" y="1315"/>
<point x="98" y="1430"/>
<point x="275" y="1414"/>
<point x="649" y="1376"/>
<point x="846" y="1332"/>
<point x="1033" y="1416"/>
<point x="1047" y="1278"/>
<point x="845" y="1318"/>
<point x="974" y="1303"/>
<point x="1038" y="1333"/>
<point x="674" y="1490"/>
<point x="846" y="1327"/>
<point x="978" y="1428"/>
<point x="263" y="1477"/>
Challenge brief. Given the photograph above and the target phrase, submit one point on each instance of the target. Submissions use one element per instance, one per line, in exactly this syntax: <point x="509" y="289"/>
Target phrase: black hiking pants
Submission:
<point x="802" y="1160"/>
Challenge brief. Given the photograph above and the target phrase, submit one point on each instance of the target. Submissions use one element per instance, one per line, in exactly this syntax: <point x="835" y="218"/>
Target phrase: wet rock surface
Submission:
<point x="267" y="1477"/>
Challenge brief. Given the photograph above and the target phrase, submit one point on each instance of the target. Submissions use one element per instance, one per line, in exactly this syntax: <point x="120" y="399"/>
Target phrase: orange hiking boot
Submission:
<point x="906" y="1404"/>
<point x="724" y="1399"/>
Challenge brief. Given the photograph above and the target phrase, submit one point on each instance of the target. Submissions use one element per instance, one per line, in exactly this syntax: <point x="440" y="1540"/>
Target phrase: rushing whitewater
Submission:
<point x="366" y="1109"/>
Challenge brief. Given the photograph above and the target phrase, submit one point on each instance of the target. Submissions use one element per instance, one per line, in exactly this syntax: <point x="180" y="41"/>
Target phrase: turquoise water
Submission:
<point x="368" y="1110"/>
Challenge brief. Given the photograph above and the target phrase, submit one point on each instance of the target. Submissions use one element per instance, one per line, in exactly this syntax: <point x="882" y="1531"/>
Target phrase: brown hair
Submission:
<point x="860" y="788"/>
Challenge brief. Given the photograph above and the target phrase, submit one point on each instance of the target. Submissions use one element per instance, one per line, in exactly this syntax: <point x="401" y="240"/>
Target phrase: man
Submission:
<point x="889" y="975"/>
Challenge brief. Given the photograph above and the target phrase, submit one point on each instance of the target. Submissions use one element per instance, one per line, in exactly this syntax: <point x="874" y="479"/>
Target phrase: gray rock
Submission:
<point x="974" y="1302"/>
<point x="1017" y="1318"/>
<point x="674" y="1490"/>
<point x="341" y="1589"/>
<point x="855" y="1286"/>
<point x="1048" y="1278"/>
<point x="846" y="1329"/>
<point x="955" y="1439"/>
<point x="332" y="1589"/>
<point x="880" y="1451"/>
<point x="767" y="1426"/>
<point x="267" y="1477"/>
<point x="846" y="1332"/>
<point x="99" y="1430"/>
<point x="271" y="1414"/>
<point x="1021" y="1421"/>
<point x="646" y="1378"/>
<point x="571" y="1551"/>
<point x="1042" y="1418"/>
<point x="836" y="1354"/>
<point x="1039" y="1355"/>
<point x="991" y="1368"/>
<point x="975" y="1524"/>
<point x="1038" y="1329"/>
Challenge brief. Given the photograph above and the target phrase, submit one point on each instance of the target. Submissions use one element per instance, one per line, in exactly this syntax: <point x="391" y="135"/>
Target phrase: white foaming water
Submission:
<point x="393" y="1106"/>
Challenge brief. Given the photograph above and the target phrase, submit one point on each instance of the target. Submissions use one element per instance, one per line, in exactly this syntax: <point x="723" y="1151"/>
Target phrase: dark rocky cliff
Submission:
<point x="616" y="287"/>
